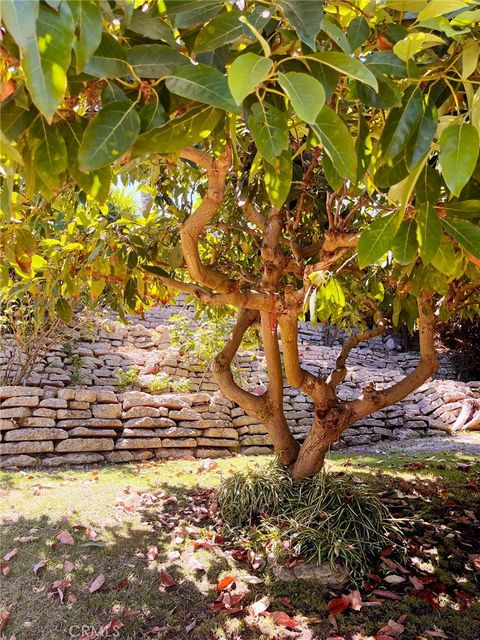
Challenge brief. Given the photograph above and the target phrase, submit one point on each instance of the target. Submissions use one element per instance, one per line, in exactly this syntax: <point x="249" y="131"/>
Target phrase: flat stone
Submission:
<point x="248" y="441"/>
<point x="14" y="391"/>
<point x="105" y="396"/>
<point x="184" y="414"/>
<point x="21" y="401"/>
<point x="138" y="443"/>
<point x="321" y="573"/>
<point x="145" y="412"/>
<point x="42" y="412"/>
<point x="148" y="423"/>
<point x="17" y="461"/>
<point x="82" y="432"/>
<point x="15" y="412"/>
<point x="91" y="422"/>
<point x="85" y="395"/>
<point x="72" y="414"/>
<point x="85" y="444"/>
<point x="243" y="421"/>
<point x="107" y="410"/>
<point x="73" y="458"/>
<point x="179" y="442"/>
<point x="5" y="424"/>
<point x="39" y="446"/>
<point x="221" y="433"/>
<point x="38" y="422"/>
<point x="139" y="433"/>
<point x="36" y="434"/>
<point x="54" y="403"/>
<point x="212" y="453"/>
<point x="173" y="454"/>
<point x="255" y="451"/>
<point x="66" y="394"/>
<point x="77" y="404"/>
<point x="217" y="442"/>
<point x="139" y="399"/>
<point x="177" y="432"/>
<point x="128" y="456"/>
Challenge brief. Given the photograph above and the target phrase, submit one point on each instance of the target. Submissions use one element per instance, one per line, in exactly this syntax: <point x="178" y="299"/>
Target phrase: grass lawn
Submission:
<point x="146" y="526"/>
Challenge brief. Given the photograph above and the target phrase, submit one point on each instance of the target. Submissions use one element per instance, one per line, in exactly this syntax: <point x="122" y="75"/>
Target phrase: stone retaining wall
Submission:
<point x="50" y="422"/>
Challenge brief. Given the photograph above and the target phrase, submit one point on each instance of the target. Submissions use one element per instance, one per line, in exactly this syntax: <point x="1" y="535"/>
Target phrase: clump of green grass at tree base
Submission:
<point x="325" y="518"/>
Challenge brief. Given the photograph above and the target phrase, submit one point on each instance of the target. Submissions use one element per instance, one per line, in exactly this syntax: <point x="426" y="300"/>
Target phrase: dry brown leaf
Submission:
<point x="40" y="565"/>
<point x="152" y="552"/>
<point x="11" y="554"/>
<point x="97" y="583"/>
<point x="166" y="579"/>
<point x="64" y="537"/>
<point x="4" y="617"/>
<point x="283" y="619"/>
<point x="68" y="566"/>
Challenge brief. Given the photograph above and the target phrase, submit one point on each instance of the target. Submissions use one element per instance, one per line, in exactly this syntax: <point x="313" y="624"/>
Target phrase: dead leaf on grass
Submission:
<point x="152" y="552"/>
<point x="259" y="606"/>
<point x="283" y="619"/>
<point x="39" y="566"/>
<point x="97" y="583"/>
<point x="166" y="580"/>
<point x="225" y="583"/>
<point x="4" y="617"/>
<point x="11" y="554"/>
<point x="64" y="537"/>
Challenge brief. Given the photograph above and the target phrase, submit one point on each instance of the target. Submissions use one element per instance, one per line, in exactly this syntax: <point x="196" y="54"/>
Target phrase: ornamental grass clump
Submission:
<point x="325" y="518"/>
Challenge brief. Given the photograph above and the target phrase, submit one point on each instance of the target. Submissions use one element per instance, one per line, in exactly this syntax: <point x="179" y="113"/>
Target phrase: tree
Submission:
<point x="297" y="158"/>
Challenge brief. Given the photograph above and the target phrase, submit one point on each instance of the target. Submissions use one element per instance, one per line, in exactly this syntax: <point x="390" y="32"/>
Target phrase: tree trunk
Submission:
<point x="326" y="428"/>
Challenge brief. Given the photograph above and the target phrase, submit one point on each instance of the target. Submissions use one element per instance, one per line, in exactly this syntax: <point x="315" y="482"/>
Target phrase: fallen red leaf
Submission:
<point x="5" y="568"/>
<point x="225" y="583"/>
<point x="283" y="619"/>
<point x="68" y="566"/>
<point x="166" y="579"/>
<point x="58" y="589"/>
<point x="64" y="537"/>
<point x="97" y="583"/>
<point x="11" y="554"/>
<point x="121" y="584"/>
<point x="111" y="628"/>
<point x="4" y="617"/>
<point x="191" y="626"/>
<point x="152" y="552"/>
<point x="436" y="634"/>
<point x="392" y="629"/>
<point x="40" y="565"/>
<point x="389" y="595"/>
<point x="475" y="560"/>
<point x="418" y="584"/>
<point x="429" y="597"/>
<point x="337" y="605"/>
<point x="91" y="534"/>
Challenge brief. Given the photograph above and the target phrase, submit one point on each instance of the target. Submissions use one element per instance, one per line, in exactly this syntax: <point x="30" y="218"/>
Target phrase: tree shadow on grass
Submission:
<point x="172" y="522"/>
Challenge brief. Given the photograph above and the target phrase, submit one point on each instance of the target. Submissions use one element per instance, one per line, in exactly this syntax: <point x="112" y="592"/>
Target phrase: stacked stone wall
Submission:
<point x="50" y="420"/>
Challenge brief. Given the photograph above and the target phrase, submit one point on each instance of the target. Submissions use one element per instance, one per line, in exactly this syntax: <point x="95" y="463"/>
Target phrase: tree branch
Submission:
<point x="338" y="375"/>
<point x="374" y="400"/>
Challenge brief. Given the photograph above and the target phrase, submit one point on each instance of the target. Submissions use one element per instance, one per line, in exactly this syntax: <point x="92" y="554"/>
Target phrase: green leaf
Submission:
<point x="278" y="178"/>
<point x="187" y="13"/>
<point x="429" y="232"/>
<point x="305" y="16"/>
<point x="334" y="179"/>
<point x="445" y="259"/>
<point x="109" y="135"/>
<point x="155" y="60"/>
<point x="14" y="120"/>
<point x="223" y="29"/>
<point x="109" y="60"/>
<point x="20" y="18"/>
<point x="245" y="73"/>
<point x="269" y="129"/>
<point x="401" y="124"/>
<point x="387" y="96"/>
<point x="351" y="67"/>
<point x="305" y="93"/>
<point x="377" y="238"/>
<point x="422" y="139"/>
<point x="465" y="233"/>
<point x="203" y="84"/>
<point x="428" y="186"/>
<point x="358" y="31"/>
<point x="95" y="183"/>
<point x="436" y="8"/>
<point x="152" y="115"/>
<point x="386" y="63"/>
<point x="50" y="152"/>
<point x="46" y="58"/>
<point x="414" y="43"/>
<point x="64" y="310"/>
<point x="112" y="93"/>
<point x="464" y="209"/>
<point x="337" y="142"/>
<point x="336" y="35"/>
<point x="404" y="245"/>
<point x="179" y="133"/>
<point x="459" y="146"/>
<point x="8" y="150"/>
<point x="152" y="27"/>
<point x="392" y="172"/>
<point x="89" y="25"/>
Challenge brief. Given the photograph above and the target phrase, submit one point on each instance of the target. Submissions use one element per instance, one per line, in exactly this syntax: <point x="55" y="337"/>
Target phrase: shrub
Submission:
<point x="159" y="382"/>
<point x="126" y="378"/>
<point x="181" y="385"/>
<point x="323" y="518"/>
